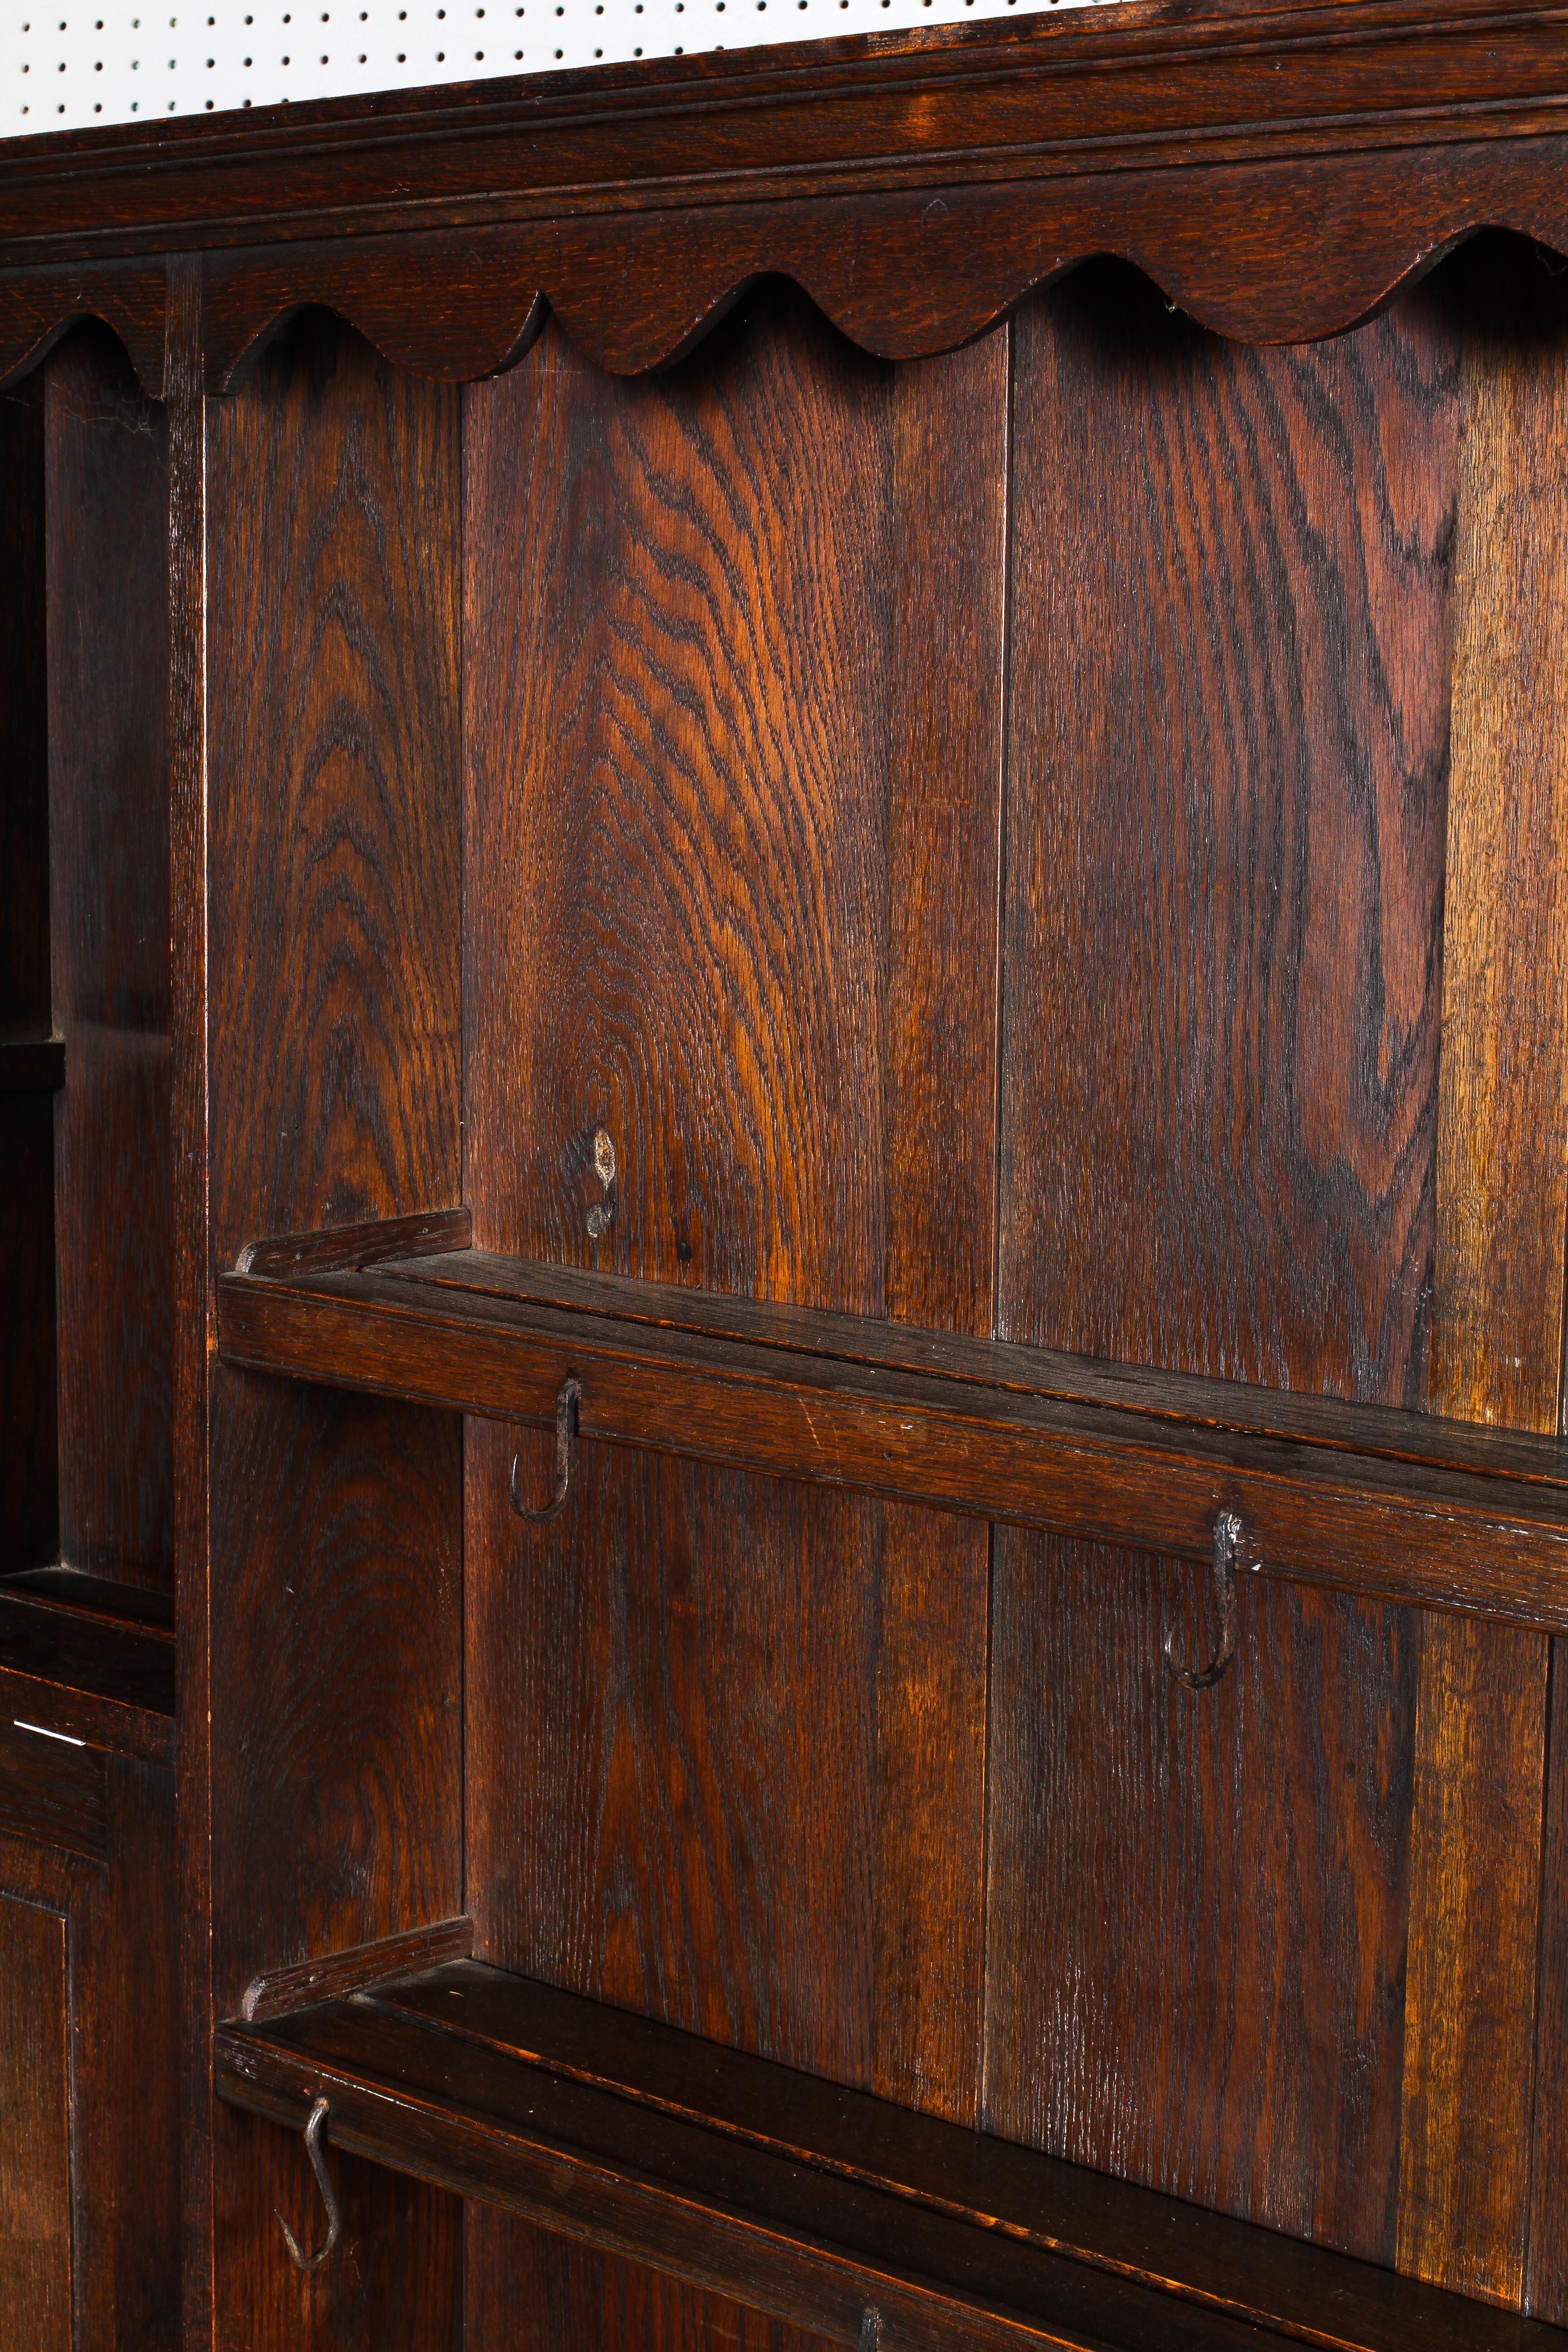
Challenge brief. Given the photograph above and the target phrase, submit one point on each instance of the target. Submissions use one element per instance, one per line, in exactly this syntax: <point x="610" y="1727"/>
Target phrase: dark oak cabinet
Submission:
<point x="783" y="1142"/>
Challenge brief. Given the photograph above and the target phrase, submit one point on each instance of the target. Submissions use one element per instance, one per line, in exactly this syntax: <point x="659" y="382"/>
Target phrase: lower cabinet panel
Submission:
<point x="89" y="2055"/>
<point x="35" y="2131"/>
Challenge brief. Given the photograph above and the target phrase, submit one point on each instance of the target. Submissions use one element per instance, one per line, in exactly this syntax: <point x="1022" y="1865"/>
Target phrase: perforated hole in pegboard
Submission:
<point x="62" y="68"/>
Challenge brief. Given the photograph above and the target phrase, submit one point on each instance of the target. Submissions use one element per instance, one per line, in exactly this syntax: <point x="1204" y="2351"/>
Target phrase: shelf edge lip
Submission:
<point x="70" y="1711"/>
<point x="1425" y="1533"/>
<point x="277" y="1993"/>
<point x="278" y="2077"/>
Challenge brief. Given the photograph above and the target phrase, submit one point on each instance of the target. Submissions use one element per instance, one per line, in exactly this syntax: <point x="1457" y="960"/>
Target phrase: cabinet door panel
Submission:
<point x="35" y="2132"/>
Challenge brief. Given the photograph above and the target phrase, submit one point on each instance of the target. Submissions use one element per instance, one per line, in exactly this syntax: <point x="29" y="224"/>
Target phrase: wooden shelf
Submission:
<point x="1390" y="1505"/>
<point x="30" y="1063"/>
<point x="87" y="1661"/>
<point x="799" y="2198"/>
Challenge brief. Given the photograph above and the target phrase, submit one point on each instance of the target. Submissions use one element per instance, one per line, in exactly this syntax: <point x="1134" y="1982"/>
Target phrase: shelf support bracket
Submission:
<point x="1226" y="1537"/>
<point x="324" y="2251"/>
<point x="566" y="1403"/>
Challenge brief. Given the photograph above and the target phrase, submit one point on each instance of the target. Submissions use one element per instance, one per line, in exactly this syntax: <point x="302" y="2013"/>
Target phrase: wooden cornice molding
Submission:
<point x="1277" y="171"/>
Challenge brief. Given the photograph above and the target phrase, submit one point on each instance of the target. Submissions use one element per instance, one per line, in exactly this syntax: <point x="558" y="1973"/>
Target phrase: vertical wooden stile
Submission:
<point x="949" y="494"/>
<point x="29" y="1498"/>
<point x="1502" y="1189"/>
<point x="335" y="1533"/>
<point x="185" y="389"/>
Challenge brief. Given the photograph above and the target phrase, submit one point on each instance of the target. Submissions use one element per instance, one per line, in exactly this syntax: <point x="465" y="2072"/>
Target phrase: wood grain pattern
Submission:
<point x="29" y="1512"/>
<point x="53" y="1792"/>
<point x="1304" y="164"/>
<point x="1374" y="1501"/>
<point x="680" y="790"/>
<point x="189" y="1272"/>
<point x="121" y="2196"/>
<point x="335" y="1595"/>
<point x="34" y="2146"/>
<point x="1228" y="735"/>
<point x="1497" y="1332"/>
<point x="531" y="2290"/>
<point x="810" y="2201"/>
<point x="109" y="869"/>
<point x="949" y="498"/>
<point x="677" y="793"/>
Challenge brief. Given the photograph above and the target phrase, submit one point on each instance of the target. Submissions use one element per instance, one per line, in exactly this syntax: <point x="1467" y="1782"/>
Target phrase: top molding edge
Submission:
<point x="1151" y="84"/>
<point x="1277" y="169"/>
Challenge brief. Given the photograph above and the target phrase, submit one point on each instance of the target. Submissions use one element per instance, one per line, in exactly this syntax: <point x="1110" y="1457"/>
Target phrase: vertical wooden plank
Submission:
<point x="1503" y="1194"/>
<point x="1228" y="730"/>
<point x="732" y="712"/>
<point x="109" y="872"/>
<point x="336" y="1596"/>
<point x="184" y="377"/>
<point x="29" y="1519"/>
<point x="950" y="487"/>
<point x="35" y="2133"/>
<point x="676" y="716"/>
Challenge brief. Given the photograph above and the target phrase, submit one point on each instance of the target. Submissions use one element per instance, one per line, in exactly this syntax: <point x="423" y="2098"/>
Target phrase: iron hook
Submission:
<point x="566" y="1401"/>
<point x="300" y="2260"/>
<point x="1226" y="1537"/>
<point x="870" y="2329"/>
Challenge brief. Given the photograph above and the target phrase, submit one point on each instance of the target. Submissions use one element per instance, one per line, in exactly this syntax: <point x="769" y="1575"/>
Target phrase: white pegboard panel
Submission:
<point x="65" y="67"/>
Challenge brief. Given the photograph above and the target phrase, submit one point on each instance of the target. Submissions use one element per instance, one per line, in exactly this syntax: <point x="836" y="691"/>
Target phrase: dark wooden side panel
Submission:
<point x="1228" y="738"/>
<point x="335" y="1655"/>
<point x="117" y="2186"/>
<point x="718" y="1725"/>
<point x="29" y="1520"/>
<point x="108" y="875"/>
<point x="35" y="2144"/>
<point x="1476" y="1928"/>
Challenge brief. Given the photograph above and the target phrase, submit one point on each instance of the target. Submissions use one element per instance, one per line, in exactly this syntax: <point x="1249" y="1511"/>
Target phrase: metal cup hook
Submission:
<point x="1226" y="1537"/>
<point x="567" y="1401"/>
<point x="300" y="2260"/>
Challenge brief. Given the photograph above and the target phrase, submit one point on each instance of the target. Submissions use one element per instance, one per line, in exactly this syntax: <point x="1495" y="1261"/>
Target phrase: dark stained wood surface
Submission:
<point x="471" y="2075"/>
<point x="531" y="2289"/>
<point x="1385" y="1503"/>
<point x="333" y="1976"/>
<point x="52" y="1790"/>
<point x="1230" y="577"/>
<point x="116" y="1906"/>
<point x="29" y="1515"/>
<point x="1477" y="1934"/>
<point x="690" y="955"/>
<point x="1278" y="170"/>
<point x="108" y="875"/>
<point x="87" y="1676"/>
<point x="687" y="953"/>
<point x="34" y="2146"/>
<point x="334" y="1627"/>
<point x="945" y="827"/>
<point x="187" y="719"/>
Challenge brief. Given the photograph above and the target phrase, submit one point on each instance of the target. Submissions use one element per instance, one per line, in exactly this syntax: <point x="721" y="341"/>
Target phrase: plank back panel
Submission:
<point x="1228" y="739"/>
<point x="29" y="1512"/>
<point x="1477" y="1935"/>
<point x="697" y="784"/>
<point x="109" y="874"/>
<point x="335" y="1561"/>
<point x="35" y="2132"/>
